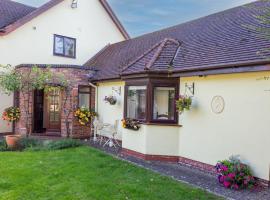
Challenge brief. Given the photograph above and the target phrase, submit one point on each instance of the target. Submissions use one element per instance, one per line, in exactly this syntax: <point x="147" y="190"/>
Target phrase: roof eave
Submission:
<point x="8" y="29"/>
<point x="115" y="19"/>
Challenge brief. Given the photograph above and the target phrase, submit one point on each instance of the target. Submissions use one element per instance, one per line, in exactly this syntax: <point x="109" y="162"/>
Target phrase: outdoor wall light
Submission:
<point x="190" y="88"/>
<point x="74" y="4"/>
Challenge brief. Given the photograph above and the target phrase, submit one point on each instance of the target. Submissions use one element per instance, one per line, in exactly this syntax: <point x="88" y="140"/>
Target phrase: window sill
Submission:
<point x="162" y="124"/>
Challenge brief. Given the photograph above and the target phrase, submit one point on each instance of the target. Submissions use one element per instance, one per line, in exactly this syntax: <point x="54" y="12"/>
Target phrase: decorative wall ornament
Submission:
<point x="217" y="104"/>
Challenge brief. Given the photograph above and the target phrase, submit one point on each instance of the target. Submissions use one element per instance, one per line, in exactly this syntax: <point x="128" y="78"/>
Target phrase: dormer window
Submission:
<point x="64" y="46"/>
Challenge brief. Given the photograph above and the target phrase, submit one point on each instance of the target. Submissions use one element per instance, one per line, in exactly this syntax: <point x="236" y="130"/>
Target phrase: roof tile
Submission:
<point x="210" y="41"/>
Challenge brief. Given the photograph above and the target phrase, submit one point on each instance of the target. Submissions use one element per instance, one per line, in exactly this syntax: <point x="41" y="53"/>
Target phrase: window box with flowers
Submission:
<point x="110" y="99"/>
<point x="84" y="115"/>
<point x="131" y="124"/>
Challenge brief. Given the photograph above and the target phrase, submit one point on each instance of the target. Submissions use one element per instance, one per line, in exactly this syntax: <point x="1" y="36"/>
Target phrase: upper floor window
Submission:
<point x="64" y="46"/>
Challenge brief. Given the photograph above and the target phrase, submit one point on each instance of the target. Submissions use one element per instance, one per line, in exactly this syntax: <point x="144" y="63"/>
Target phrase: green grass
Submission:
<point x="84" y="173"/>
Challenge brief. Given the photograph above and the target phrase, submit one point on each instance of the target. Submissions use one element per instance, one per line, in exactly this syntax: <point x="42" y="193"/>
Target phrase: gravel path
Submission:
<point x="190" y="175"/>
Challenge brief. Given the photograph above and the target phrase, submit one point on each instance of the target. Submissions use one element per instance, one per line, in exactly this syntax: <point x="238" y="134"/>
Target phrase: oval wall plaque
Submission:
<point x="218" y="104"/>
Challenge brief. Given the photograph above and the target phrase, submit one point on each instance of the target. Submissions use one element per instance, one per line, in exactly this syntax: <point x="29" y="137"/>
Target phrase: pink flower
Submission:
<point x="235" y="186"/>
<point x="227" y="184"/>
<point x="231" y="175"/>
<point x="221" y="179"/>
<point x="224" y="168"/>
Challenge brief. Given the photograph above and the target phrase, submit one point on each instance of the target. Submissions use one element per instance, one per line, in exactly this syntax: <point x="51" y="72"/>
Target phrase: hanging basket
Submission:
<point x="110" y="99"/>
<point x="183" y="103"/>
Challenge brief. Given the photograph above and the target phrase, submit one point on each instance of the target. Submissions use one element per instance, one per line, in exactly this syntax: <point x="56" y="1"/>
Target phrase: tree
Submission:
<point x="25" y="82"/>
<point x="263" y="27"/>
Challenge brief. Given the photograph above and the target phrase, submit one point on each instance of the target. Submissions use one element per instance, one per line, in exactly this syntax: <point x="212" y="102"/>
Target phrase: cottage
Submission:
<point x="59" y="33"/>
<point x="213" y="60"/>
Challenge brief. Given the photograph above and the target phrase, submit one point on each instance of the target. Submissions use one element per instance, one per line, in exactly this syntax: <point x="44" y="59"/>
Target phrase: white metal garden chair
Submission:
<point x="107" y="133"/>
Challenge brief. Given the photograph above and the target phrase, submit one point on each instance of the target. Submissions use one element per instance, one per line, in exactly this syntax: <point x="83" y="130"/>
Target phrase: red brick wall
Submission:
<point x="76" y="77"/>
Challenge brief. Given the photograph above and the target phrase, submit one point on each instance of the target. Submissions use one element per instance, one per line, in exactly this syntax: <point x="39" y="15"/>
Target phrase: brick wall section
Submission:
<point x="76" y="77"/>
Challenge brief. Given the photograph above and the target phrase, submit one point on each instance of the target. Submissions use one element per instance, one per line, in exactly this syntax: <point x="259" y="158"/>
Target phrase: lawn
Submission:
<point x="84" y="173"/>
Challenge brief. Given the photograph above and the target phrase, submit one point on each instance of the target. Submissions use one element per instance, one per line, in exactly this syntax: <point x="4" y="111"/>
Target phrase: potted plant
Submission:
<point x="234" y="175"/>
<point x="110" y="99"/>
<point x="183" y="103"/>
<point x="84" y="115"/>
<point x="131" y="124"/>
<point x="12" y="114"/>
<point x="12" y="141"/>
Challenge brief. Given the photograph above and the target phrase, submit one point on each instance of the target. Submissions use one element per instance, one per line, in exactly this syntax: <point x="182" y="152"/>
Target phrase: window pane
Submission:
<point x="84" y="100"/>
<point x="164" y="103"/>
<point x="136" y="102"/>
<point x="69" y="47"/>
<point x="85" y="89"/>
<point x="58" y="45"/>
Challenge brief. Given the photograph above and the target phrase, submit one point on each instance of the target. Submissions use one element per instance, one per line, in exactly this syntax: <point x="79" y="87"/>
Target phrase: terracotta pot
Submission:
<point x="13" y="141"/>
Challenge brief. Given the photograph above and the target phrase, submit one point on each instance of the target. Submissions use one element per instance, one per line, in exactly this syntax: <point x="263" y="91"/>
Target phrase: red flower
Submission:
<point x="227" y="184"/>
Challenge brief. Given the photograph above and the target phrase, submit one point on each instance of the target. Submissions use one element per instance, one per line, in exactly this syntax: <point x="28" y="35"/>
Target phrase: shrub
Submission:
<point x="3" y="145"/>
<point x="29" y="143"/>
<point x="62" y="144"/>
<point x="234" y="174"/>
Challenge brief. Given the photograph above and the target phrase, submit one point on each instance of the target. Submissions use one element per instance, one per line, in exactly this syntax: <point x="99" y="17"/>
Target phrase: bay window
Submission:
<point x="152" y="100"/>
<point x="136" y="102"/>
<point x="163" y="106"/>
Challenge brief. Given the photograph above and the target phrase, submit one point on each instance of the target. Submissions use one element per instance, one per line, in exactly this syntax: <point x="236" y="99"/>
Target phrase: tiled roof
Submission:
<point x="14" y="15"/>
<point x="11" y="11"/>
<point x="215" y="40"/>
<point x="159" y="57"/>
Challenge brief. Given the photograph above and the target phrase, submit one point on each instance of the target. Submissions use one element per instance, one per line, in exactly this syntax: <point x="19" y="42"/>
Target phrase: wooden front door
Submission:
<point x="53" y="121"/>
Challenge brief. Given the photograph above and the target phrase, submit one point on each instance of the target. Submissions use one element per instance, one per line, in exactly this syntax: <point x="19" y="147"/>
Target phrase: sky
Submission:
<point x="144" y="16"/>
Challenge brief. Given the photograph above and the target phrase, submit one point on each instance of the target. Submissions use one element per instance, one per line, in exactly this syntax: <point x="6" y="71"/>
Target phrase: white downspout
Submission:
<point x="96" y="95"/>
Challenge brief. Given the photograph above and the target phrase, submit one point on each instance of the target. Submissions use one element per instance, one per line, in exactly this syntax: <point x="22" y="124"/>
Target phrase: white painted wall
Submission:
<point x="89" y="24"/>
<point x="152" y="140"/>
<point x="110" y="113"/>
<point x="241" y="129"/>
<point x="33" y="42"/>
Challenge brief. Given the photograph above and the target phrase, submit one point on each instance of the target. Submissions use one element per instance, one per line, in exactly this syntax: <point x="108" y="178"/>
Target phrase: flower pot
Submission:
<point x="13" y="141"/>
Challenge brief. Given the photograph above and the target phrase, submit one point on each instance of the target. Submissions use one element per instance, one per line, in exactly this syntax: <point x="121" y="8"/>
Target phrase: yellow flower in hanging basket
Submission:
<point x="84" y="116"/>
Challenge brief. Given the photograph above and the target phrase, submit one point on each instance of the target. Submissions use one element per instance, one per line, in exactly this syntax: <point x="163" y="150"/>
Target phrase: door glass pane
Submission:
<point x="136" y="102"/>
<point x="164" y="103"/>
<point x="54" y="106"/>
